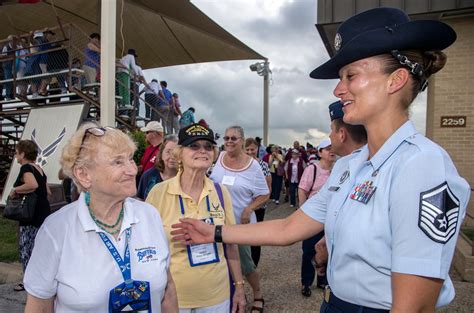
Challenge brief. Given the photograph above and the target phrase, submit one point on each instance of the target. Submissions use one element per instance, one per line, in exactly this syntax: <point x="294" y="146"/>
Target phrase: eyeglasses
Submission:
<point x="96" y="131"/>
<point x="233" y="138"/>
<point x="197" y="146"/>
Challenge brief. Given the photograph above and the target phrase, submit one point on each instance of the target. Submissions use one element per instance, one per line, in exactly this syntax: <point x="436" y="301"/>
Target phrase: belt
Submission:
<point x="344" y="306"/>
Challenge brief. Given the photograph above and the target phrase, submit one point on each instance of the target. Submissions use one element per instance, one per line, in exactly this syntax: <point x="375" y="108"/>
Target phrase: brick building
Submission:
<point x="450" y="108"/>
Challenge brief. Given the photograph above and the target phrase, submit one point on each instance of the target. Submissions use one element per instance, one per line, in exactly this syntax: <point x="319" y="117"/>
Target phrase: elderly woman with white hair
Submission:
<point x="106" y="251"/>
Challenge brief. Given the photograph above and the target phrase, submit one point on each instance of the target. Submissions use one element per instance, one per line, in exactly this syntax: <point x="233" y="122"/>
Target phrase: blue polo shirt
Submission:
<point x="408" y="225"/>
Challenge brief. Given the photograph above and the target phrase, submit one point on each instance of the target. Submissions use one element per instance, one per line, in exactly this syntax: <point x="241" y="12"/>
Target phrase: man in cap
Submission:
<point x="154" y="136"/>
<point x="345" y="139"/>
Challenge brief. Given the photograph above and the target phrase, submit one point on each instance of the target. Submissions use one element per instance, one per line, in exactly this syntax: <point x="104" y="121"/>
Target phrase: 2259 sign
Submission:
<point x="453" y="121"/>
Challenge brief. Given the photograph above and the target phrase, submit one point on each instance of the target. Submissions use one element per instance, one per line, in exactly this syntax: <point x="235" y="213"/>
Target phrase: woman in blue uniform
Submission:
<point x="391" y="211"/>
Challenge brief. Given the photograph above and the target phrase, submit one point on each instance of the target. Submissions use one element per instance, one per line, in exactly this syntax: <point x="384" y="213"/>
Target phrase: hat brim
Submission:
<point x="190" y="140"/>
<point x="145" y="129"/>
<point x="414" y="35"/>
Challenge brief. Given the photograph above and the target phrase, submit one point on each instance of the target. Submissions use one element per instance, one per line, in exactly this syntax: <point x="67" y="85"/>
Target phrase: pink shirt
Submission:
<point x="306" y="182"/>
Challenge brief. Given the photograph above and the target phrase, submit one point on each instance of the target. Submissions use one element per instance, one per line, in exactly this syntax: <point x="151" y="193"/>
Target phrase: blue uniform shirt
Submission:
<point x="408" y="225"/>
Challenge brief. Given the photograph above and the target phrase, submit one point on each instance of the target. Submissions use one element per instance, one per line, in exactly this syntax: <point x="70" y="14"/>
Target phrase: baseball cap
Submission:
<point x="324" y="144"/>
<point x="194" y="132"/>
<point x="152" y="126"/>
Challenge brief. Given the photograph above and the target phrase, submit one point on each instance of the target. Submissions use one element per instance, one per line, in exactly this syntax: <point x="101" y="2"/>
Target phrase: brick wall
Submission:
<point x="451" y="92"/>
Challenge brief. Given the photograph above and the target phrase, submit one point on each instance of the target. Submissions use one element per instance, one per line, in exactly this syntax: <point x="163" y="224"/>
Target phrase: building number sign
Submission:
<point x="453" y="121"/>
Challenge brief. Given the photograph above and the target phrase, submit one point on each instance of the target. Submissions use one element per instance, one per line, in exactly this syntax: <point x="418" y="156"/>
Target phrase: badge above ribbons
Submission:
<point x="439" y="212"/>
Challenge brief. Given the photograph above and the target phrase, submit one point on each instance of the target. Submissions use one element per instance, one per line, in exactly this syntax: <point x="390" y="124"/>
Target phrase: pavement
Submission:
<point x="279" y="269"/>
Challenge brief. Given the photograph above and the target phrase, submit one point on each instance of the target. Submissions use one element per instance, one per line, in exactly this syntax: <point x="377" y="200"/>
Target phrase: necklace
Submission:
<point x="101" y="224"/>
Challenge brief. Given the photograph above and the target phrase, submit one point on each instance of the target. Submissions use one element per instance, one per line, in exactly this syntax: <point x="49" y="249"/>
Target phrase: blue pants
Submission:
<point x="293" y="192"/>
<point x="8" y="74"/>
<point x="276" y="186"/>
<point x="308" y="271"/>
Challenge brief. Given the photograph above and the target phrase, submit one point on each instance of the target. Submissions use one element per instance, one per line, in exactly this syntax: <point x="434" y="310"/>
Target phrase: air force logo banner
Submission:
<point x="439" y="212"/>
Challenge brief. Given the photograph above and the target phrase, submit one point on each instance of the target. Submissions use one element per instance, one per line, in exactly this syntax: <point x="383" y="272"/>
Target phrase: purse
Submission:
<point x="280" y="170"/>
<point x="22" y="208"/>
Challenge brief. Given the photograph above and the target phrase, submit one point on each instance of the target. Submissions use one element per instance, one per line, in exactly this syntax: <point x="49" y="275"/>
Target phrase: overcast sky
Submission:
<point x="228" y="93"/>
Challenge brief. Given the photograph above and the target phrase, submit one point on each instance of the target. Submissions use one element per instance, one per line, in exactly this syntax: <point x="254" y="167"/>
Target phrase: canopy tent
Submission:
<point x="164" y="32"/>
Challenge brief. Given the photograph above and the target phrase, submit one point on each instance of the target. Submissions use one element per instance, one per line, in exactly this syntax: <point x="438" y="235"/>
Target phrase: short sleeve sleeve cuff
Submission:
<point x="315" y="207"/>
<point x="421" y="267"/>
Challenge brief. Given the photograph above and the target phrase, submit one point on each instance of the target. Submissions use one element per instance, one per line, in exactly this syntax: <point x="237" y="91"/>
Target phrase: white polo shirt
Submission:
<point x="71" y="262"/>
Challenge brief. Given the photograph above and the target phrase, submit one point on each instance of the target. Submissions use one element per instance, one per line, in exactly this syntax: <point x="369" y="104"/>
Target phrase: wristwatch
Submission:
<point x="218" y="233"/>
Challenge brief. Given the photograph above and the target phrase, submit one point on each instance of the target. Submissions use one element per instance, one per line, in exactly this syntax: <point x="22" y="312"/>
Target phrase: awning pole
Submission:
<point x="107" y="62"/>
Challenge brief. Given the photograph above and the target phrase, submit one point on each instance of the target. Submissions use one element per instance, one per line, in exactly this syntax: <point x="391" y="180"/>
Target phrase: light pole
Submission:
<point x="263" y="69"/>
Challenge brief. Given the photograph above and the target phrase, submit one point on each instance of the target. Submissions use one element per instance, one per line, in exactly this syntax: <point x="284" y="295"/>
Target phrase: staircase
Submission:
<point x="67" y="44"/>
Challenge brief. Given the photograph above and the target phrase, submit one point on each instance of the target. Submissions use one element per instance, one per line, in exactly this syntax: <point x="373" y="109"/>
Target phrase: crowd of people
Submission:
<point x="40" y="53"/>
<point x="24" y="56"/>
<point x="193" y="242"/>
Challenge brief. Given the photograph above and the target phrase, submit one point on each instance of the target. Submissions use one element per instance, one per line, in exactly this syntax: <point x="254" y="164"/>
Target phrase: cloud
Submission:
<point x="228" y="93"/>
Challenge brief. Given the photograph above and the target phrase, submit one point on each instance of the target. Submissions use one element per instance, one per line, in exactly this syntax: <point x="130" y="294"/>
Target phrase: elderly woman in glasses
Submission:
<point x="165" y="167"/>
<point x="106" y="251"/>
<point x="244" y="178"/>
<point x="201" y="272"/>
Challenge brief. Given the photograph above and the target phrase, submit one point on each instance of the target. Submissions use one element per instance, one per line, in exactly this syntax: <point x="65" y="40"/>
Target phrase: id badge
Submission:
<point x="133" y="296"/>
<point x="228" y="180"/>
<point x="204" y="253"/>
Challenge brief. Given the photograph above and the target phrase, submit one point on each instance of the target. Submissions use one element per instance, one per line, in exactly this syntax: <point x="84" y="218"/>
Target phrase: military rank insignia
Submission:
<point x="363" y="192"/>
<point x="439" y="213"/>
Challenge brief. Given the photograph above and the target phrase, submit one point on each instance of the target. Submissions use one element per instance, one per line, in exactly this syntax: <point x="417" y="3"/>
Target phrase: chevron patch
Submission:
<point x="439" y="212"/>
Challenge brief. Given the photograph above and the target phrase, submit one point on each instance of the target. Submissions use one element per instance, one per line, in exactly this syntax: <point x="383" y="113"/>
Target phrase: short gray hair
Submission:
<point x="238" y="128"/>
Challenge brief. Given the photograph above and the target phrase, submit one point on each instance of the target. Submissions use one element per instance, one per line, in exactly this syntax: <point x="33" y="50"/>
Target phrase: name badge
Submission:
<point x="333" y="188"/>
<point x="228" y="180"/>
<point x="204" y="253"/>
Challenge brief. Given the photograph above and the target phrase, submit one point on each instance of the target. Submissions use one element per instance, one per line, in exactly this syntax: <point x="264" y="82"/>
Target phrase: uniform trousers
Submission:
<point x="308" y="272"/>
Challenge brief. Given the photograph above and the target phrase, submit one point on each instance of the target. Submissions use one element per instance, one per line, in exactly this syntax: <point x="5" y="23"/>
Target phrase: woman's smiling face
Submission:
<point x="362" y="90"/>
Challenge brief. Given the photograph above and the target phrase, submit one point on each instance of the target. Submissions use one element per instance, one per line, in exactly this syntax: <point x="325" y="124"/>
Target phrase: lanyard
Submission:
<point x="124" y="264"/>
<point x="181" y="203"/>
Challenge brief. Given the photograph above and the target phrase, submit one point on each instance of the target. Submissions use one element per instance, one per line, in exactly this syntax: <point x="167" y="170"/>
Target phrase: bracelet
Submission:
<point x="218" y="233"/>
<point x="237" y="283"/>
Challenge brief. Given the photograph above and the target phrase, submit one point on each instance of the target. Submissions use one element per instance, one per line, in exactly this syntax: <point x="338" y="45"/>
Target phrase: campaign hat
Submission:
<point x="335" y="111"/>
<point x="381" y="30"/>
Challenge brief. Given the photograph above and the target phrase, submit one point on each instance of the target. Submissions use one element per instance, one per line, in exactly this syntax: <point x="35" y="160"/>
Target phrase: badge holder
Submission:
<point x="131" y="296"/>
<point x="203" y="254"/>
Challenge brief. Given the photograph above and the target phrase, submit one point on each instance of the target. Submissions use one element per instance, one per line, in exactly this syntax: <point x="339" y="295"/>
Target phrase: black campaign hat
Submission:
<point x="380" y="31"/>
<point x="194" y="132"/>
<point x="335" y="110"/>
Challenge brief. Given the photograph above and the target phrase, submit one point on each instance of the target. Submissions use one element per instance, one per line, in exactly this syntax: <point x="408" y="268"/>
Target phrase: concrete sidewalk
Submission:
<point x="280" y="281"/>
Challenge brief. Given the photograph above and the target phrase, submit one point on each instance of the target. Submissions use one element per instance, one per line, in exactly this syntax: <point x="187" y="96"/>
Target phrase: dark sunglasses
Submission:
<point x="233" y="138"/>
<point x="197" y="146"/>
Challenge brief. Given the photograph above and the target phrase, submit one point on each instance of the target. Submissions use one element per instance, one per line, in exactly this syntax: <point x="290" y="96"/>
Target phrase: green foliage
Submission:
<point x="140" y="140"/>
<point x="8" y="240"/>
